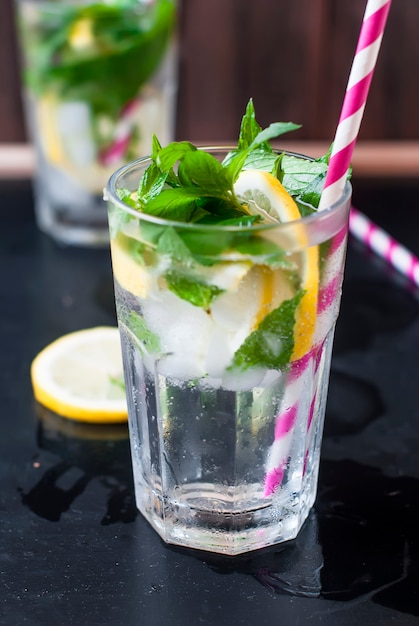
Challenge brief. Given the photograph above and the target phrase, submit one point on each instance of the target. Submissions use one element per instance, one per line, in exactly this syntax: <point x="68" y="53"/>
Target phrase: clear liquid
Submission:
<point x="200" y="456"/>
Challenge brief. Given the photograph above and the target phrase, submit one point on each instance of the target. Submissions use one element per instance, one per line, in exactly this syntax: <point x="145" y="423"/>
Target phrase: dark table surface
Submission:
<point x="73" y="549"/>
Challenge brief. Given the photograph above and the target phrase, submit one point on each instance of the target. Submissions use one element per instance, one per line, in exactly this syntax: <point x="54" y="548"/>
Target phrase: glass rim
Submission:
<point x="110" y="195"/>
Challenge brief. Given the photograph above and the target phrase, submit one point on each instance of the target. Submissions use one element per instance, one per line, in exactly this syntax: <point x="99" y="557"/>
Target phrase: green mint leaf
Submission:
<point x="251" y="133"/>
<point x="264" y="252"/>
<point x="183" y="176"/>
<point x="206" y="245"/>
<point x="272" y="343"/>
<point x="242" y="220"/>
<point x="149" y="234"/>
<point x="272" y="131"/>
<point x="190" y="247"/>
<point x="149" y="342"/>
<point x="249" y="128"/>
<point x="310" y="196"/>
<point x="152" y="183"/>
<point x="207" y="173"/>
<point x="192" y="290"/>
<point x="167" y="157"/>
<point x="253" y="138"/>
<point x="259" y="159"/>
<point x="127" y="197"/>
<point x="217" y="210"/>
<point x="234" y="164"/>
<point x="155" y="147"/>
<point x="171" y="245"/>
<point x="296" y="174"/>
<point x="176" y="204"/>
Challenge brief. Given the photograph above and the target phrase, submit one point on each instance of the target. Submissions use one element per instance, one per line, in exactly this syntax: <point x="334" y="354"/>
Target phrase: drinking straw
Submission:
<point x="357" y="89"/>
<point x="123" y="133"/>
<point x="363" y="66"/>
<point x="384" y="245"/>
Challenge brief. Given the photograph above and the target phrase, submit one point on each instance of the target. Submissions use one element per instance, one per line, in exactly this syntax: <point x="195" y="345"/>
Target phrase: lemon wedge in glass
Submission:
<point x="264" y="195"/>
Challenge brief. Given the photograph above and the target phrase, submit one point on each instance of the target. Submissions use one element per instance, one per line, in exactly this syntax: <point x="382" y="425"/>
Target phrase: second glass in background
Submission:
<point x="99" y="79"/>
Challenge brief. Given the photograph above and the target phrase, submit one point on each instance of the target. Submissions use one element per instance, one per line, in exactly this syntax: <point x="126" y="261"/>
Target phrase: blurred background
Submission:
<point x="292" y="57"/>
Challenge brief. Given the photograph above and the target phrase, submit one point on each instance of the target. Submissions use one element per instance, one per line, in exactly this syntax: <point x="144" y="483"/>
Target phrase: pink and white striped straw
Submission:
<point x="122" y="136"/>
<point x="359" y="82"/>
<point x="384" y="245"/>
<point x="363" y="66"/>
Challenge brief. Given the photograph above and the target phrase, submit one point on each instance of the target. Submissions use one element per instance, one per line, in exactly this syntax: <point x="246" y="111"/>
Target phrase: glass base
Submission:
<point x="195" y="517"/>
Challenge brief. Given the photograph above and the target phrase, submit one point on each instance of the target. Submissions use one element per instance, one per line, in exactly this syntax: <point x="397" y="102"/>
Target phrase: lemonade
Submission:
<point x="99" y="80"/>
<point x="227" y="284"/>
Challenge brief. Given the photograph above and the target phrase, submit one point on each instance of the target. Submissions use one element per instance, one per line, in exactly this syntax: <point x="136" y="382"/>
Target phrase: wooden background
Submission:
<point x="292" y="56"/>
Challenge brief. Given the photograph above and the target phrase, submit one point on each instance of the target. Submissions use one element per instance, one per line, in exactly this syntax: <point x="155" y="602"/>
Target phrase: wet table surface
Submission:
<point x="73" y="549"/>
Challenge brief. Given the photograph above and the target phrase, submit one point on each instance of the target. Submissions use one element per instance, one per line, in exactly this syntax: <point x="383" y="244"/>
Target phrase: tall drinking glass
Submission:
<point x="226" y="362"/>
<point x="99" y="79"/>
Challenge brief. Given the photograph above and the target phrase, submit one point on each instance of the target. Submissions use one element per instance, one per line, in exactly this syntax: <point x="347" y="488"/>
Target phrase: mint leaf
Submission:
<point x="207" y="243"/>
<point x="167" y="157"/>
<point x="310" y="196"/>
<point x="253" y="138"/>
<point x="249" y="128"/>
<point x="207" y="173"/>
<point x="176" y="204"/>
<point x="192" y="290"/>
<point x="216" y="211"/>
<point x="148" y="341"/>
<point x="272" y="343"/>
<point x="296" y="174"/>
<point x="126" y="196"/>
<point x="264" y="252"/>
<point x="261" y="160"/>
<point x="273" y="130"/>
<point x="171" y="245"/>
<point x="149" y="233"/>
<point x="152" y="184"/>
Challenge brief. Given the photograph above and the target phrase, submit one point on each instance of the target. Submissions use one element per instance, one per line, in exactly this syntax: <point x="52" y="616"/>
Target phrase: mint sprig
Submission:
<point x="184" y="183"/>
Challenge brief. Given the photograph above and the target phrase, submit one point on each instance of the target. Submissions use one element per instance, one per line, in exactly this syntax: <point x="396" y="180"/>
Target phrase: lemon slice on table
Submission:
<point x="80" y="376"/>
<point x="266" y="196"/>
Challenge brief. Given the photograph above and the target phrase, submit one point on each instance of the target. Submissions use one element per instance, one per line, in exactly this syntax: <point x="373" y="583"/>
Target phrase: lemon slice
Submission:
<point x="307" y="310"/>
<point x="80" y="376"/>
<point x="81" y="34"/>
<point x="47" y="112"/>
<point x="266" y="196"/>
<point x="129" y="273"/>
